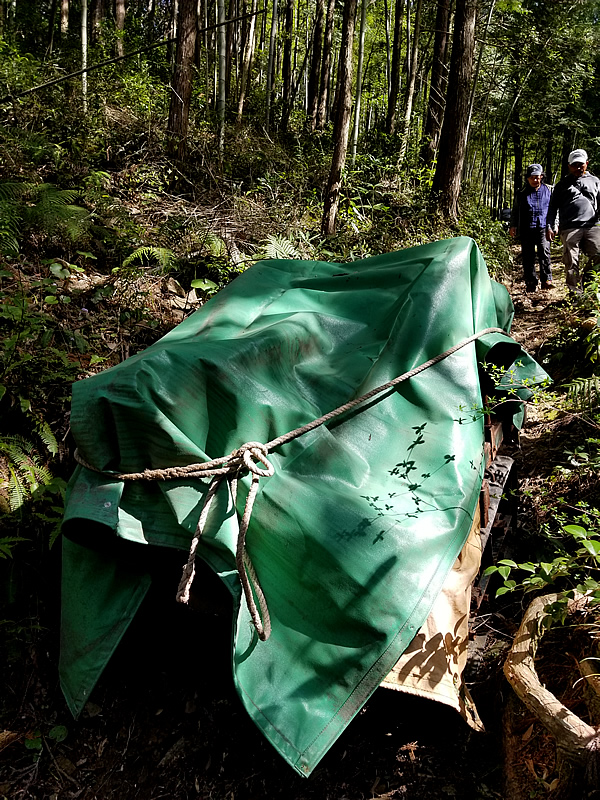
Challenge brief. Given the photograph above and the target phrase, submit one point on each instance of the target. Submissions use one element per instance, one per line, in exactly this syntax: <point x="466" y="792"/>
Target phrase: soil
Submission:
<point x="165" y="722"/>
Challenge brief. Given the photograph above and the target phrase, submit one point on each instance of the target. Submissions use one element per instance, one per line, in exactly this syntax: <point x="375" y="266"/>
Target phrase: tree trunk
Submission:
<point x="286" y="70"/>
<point x="271" y="64"/>
<point x="97" y="20"/>
<point x="120" y="25"/>
<point x="64" y="17"/>
<point x="478" y="67"/>
<point x="51" y="21"/>
<point x="171" y="57"/>
<point x="359" y="74"/>
<point x="388" y="49"/>
<point x="84" y="55"/>
<point x="390" y="123"/>
<point x="315" y="67"/>
<point x="342" y="120"/>
<point x="230" y="35"/>
<point x="322" y="114"/>
<point x="437" y="87"/>
<point x="246" y="62"/>
<point x="453" y="137"/>
<point x="410" y="89"/>
<point x="517" y="150"/>
<point x="181" y="93"/>
<point x="222" y="80"/>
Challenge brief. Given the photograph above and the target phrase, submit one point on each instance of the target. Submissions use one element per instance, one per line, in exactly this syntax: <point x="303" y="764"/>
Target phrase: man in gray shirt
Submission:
<point x="576" y="200"/>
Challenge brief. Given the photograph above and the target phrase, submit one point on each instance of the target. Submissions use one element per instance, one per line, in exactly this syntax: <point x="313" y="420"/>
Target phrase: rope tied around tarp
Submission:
<point x="245" y="459"/>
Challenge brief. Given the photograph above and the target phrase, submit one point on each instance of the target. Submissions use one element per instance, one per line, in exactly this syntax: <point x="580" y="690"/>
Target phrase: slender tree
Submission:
<point x="84" y="55"/>
<point x="359" y="79"/>
<point x="286" y="70"/>
<point x="181" y="92"/>
<point x="247" y="57"/>
<point x="222" y="80"/>
<point x="64" y="17"/>
<point x="271" y="63"/>
<point x="437" y="86"/>
<point x="342" y="120"/>
<point x="453" y="137"/>
<point x="394" y="87"/>
<point x="322" y="114"/>
<point x="312" y="90"/>
<point x="120" y="25"/>
<point x="412" y="79"/>
<point x="51" y="21"/>
<point x="97" y="20"/>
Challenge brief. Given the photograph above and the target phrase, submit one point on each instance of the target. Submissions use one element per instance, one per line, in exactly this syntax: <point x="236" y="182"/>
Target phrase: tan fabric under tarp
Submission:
<point x="433" y="664"/>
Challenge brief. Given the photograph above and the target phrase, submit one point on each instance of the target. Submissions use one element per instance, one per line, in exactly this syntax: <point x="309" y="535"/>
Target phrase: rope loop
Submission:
<point x="258" y="452"/>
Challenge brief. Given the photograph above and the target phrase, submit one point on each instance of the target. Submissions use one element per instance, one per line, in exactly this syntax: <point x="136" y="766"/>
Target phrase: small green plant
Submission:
<point x="277" y="247"/>
<point x="25" y="207"/>
<point x="575" y="567"/>
<point x="583" y="394"/>
<point x="21" y="472"/>
<point x="164" y="258"/>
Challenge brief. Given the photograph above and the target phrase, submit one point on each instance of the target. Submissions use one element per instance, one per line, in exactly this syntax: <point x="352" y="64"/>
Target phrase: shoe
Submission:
<point x="531" y="287"/>
<point x="547" y="285"/>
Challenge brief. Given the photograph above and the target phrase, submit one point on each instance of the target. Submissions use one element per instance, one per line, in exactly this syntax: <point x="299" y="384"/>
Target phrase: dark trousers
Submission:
<point x="533" y="239"/>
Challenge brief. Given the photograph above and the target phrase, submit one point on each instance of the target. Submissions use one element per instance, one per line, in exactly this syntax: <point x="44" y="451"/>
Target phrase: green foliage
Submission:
<point x="583" y="394"/>
<point x="162" y="256"/>
<point x="21" y="472"/>
<point x="278" y="247"/>
<point x="574" y="567"/>
<point x="7" y="543"/>
<point x="26" y="207"/>
<point x="491" y="238"/>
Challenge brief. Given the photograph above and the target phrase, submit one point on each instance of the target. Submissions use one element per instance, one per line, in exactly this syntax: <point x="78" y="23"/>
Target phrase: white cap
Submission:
<point x="578" y="157"/>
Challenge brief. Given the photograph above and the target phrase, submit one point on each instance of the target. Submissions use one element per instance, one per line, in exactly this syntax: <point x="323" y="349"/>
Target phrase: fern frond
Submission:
<point x="10" y="217"/>
<point x="215" y="245"/>
<point x="279" y="247"/>
<point x="13" y="190"/>
<point x="44" y="431"/>
<point x="21" y="472"/>
<point x="583" y="394"/>
<point x="48" y="196"/>
<point x="17" y="493"/>
<point x="7" y="543"/>
<point x="165" y="258"/>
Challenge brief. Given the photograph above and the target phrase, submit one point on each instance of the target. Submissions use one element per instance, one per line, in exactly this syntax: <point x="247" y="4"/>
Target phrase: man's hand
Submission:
<point x="550" y="234"/>
<point x="512" y="231"/>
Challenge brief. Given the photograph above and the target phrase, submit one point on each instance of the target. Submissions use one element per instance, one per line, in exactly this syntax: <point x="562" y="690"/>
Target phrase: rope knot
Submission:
<point x="252" y="452"/>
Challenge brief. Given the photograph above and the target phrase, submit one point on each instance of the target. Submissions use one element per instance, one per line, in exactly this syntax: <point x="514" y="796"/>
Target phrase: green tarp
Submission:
<point x="354" y="534"/>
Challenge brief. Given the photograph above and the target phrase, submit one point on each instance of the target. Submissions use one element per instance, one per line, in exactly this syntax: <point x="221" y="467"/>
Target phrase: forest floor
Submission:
<point x="165" y="722"/>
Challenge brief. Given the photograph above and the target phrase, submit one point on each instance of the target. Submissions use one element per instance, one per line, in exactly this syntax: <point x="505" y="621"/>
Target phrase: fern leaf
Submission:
<point x="279" y="247"/>
<point x="44" y="431"/>
<point x="215" y="245"/>
<point x="10" y="217"/>
<point x="7" y="543"/>
<point x="13" y="190"/>
<point x="21" y="472"/>
<point x="583" y="394"/>
<point x="165" y="258"/>
<point x="17" y="494"/>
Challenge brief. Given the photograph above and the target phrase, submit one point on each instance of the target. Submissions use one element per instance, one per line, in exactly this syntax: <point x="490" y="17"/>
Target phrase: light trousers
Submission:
<point x="576" y="240"/>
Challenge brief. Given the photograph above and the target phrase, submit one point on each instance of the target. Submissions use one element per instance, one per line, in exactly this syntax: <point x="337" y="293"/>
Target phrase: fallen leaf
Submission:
<point x="527" y="735"/>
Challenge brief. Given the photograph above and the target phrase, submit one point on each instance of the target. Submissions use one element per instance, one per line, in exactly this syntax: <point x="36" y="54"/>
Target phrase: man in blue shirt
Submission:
<point x="528" y="217"/>
<point x="576" y="200"/>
